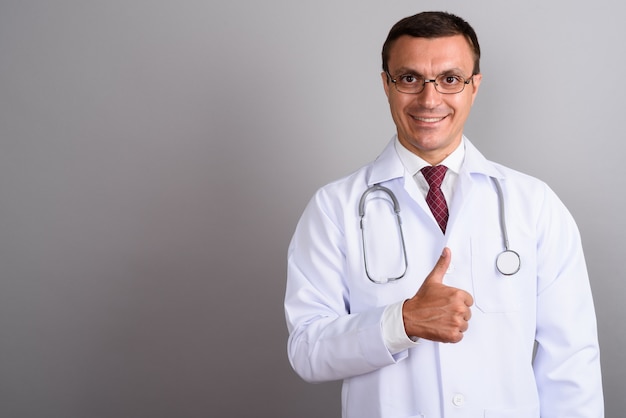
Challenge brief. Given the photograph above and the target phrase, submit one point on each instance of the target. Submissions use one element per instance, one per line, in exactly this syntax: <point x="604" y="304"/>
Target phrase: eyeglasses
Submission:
<point x="444" y="83"/>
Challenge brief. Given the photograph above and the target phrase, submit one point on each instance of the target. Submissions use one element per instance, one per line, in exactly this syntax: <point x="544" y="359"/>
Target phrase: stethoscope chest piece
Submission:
<point x="508" y="262"/>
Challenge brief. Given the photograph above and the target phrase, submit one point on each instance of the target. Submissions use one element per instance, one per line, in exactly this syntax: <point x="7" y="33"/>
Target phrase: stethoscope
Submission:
<point x="508" y="262"/>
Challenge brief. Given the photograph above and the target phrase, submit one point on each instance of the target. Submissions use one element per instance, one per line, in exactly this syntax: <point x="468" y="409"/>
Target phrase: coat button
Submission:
<point x="458" y="399"/>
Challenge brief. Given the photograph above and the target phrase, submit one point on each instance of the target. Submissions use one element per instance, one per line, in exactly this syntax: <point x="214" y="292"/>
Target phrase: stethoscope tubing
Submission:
<point x="508" y="262"/>
<point x="396" y="209"/>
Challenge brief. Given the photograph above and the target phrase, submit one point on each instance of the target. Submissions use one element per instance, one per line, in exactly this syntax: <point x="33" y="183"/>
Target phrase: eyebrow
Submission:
<point x="406" y="70"/>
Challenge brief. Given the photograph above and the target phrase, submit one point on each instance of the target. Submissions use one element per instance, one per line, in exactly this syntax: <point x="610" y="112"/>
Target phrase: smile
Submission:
<point x="428" y="120"/>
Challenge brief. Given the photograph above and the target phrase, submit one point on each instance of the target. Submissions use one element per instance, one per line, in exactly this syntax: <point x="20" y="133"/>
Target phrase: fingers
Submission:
<point x="457" y="326"/>
<point x="438" y="312"/>
<point x="439" y="271"/>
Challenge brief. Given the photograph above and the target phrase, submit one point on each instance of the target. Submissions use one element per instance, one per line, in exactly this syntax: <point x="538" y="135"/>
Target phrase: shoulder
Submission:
<point x="518" y="178"/>
<point x="385" y="167"/>
<point x="339" y="192"/>
<point x="533" y="195"/>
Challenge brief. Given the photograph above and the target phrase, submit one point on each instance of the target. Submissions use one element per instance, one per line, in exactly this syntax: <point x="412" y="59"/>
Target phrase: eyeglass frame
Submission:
<point x="434" y="81"/>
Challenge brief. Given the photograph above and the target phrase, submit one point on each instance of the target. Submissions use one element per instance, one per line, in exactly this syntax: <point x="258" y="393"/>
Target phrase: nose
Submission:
<point x="429" y="97"/>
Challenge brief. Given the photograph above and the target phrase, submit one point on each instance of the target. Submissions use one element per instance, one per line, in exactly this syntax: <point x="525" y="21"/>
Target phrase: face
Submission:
<point x="429" y="123"/>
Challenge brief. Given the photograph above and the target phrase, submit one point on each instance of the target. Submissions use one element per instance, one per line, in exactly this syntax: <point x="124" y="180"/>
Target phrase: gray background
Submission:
<point x="156" y="155"/>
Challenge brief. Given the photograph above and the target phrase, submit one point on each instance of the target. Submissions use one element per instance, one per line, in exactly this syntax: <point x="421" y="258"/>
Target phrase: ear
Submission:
<point x="385" y="79"/>
<point x="475" y="85"/>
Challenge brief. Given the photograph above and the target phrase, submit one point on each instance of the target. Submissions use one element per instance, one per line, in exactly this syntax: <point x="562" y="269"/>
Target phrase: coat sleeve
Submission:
<point x="567" y="361"/>
<point x="326" y="340"/>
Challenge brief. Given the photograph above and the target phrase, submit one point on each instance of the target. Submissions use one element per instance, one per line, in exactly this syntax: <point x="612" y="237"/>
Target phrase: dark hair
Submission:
<point x="432" y="25"/>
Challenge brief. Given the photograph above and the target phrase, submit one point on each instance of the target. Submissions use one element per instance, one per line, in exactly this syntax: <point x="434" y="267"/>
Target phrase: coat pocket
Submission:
<point x="493" y="291"/>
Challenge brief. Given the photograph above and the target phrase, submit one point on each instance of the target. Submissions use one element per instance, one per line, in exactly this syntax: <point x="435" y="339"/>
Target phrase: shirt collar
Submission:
<point x="413" y="164"/>
<point x="390" y="166"/>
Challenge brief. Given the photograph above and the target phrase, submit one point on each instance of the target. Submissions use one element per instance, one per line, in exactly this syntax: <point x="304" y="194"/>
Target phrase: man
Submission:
<point x="416" y="315"/>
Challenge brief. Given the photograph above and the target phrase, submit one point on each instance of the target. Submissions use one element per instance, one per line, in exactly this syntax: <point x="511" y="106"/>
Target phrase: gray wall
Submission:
<point x="156" y="155"/>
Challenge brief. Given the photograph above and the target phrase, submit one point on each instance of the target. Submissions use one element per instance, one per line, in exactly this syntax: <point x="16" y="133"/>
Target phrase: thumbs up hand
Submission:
<point x="438" y="312"/>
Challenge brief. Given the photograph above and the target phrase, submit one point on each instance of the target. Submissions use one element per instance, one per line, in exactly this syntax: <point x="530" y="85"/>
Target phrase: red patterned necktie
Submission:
<point x="435" y="199"/>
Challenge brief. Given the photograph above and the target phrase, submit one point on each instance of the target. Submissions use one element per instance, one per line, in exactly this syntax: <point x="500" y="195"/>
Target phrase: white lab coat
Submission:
<point x="334" y="311"/>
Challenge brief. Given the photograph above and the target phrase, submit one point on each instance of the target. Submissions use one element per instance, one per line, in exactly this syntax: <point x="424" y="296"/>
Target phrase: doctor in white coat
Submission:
<point x="414" y="315"/>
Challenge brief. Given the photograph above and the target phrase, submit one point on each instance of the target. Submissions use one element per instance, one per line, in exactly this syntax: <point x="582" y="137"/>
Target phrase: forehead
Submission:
<point x="434" y="55"/>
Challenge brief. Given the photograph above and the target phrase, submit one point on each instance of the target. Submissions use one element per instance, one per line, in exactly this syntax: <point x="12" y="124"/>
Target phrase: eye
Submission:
<point x="408" y="79"/>
<point x="450" y="80"/>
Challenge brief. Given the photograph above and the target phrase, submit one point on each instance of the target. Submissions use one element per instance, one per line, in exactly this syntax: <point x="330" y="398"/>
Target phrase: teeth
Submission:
<point x="429" y="119"/>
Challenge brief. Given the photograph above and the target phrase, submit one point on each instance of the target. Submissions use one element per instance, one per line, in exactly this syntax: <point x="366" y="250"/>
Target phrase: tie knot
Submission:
<point x="434" y="175"/>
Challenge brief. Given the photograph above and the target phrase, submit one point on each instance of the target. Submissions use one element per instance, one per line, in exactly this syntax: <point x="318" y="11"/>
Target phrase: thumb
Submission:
<point x="440" y="269"/>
